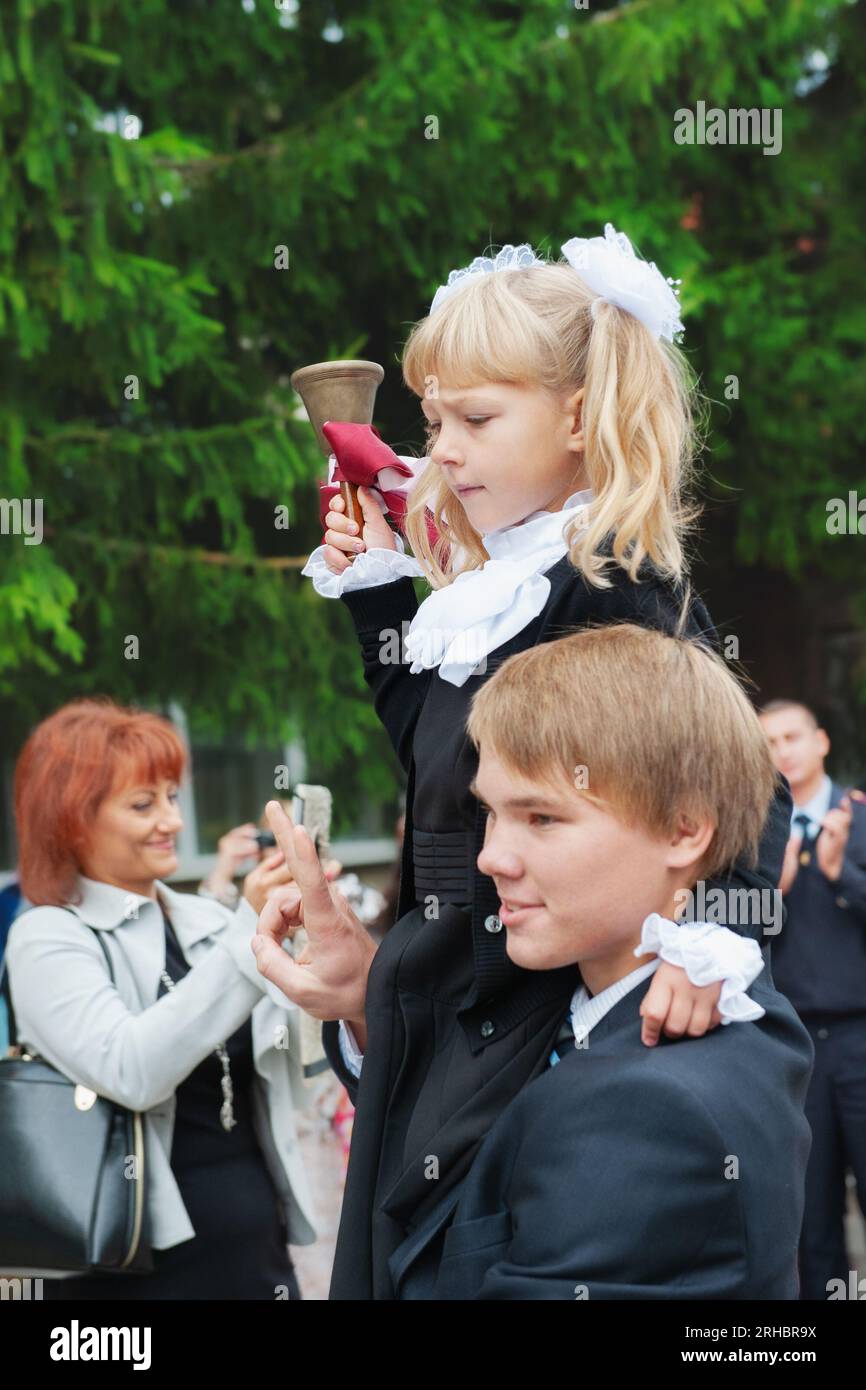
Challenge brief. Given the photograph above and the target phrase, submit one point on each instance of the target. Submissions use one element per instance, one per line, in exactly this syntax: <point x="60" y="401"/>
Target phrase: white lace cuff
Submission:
<point x="351" y="1053"/>
<point x="709" y="952"/>
<point x="378" y="565"/>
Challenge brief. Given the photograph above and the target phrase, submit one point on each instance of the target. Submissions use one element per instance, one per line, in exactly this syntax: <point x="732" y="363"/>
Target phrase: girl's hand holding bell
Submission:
<point x="342" y="538"/>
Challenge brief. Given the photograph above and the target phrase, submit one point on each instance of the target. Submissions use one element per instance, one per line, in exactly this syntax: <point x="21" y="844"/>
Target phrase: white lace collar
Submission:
<point x="457" y="627"/>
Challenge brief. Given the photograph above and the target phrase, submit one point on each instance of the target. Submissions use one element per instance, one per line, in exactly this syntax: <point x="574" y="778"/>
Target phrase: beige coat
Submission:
<point x="134" y="1049"/>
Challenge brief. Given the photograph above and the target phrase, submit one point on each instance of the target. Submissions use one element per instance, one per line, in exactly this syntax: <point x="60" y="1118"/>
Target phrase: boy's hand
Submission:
<point x="328" y="979"/>
<point x="672" y="1002"/>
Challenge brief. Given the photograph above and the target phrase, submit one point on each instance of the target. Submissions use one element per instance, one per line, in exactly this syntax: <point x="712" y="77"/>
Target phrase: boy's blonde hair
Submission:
<point x="639" y="412"/>
<point x="659" y="723"/>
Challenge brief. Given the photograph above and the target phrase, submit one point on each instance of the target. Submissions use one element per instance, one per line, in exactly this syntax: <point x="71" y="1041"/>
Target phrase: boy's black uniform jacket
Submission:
<point x="454" y="1028"/>
<point x="629" y="1172"/>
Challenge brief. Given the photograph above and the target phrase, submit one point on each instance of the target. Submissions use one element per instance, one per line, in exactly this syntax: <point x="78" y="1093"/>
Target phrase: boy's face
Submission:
<point x="486" y="436"/>
<point x="585" y="880"/>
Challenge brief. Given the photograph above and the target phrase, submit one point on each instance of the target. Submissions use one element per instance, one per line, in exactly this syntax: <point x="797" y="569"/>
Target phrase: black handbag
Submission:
<point x="67" y="1205"/>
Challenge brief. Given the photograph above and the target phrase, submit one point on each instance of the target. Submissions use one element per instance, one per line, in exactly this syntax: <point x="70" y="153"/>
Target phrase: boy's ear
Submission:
<point x="690" y="840"/>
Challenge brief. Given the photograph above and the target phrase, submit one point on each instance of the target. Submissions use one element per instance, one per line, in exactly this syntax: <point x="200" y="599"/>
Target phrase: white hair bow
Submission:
<point x="608" y="265"/>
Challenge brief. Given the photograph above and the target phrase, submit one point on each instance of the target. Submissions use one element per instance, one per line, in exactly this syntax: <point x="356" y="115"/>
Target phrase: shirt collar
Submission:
<point x="536" y="532"/>
<point x="587" y="1010"/>
<point x="106" y="906"/>
<point x="458" y="626"/>
<point x="818" y="805"/>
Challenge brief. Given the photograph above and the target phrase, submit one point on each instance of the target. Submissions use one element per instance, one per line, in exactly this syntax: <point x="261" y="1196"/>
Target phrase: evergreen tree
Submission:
<point x="157" y="158"/>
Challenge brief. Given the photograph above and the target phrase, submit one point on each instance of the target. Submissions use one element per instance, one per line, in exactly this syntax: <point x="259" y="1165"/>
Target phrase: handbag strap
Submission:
<point x="4" y="973"/>
<point x="168" y="923"/>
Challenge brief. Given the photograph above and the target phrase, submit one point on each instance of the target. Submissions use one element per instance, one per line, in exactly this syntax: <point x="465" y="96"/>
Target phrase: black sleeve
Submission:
<point x="743" y="904"/>
<point x="745" y="899"/>
<point x="379" y="614"/>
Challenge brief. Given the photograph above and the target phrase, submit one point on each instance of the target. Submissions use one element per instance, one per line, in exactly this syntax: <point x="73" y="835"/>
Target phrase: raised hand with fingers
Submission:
<point x="328" y="978"/>
<point x="342" y="539"/>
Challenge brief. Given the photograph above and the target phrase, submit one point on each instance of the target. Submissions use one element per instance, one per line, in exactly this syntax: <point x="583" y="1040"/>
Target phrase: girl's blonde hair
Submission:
<point x="640" y="414"/>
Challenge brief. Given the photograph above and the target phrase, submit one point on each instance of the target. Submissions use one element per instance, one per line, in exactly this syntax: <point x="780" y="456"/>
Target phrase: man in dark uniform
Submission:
<point x="819" y="962"/>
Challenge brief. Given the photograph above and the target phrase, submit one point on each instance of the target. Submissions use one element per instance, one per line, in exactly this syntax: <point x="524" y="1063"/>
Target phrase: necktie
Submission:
<point x="564" y="1043"/>
<point x="806" y="844"/>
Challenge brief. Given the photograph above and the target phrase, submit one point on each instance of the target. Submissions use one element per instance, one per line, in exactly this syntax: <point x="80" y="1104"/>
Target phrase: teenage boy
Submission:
<point x="619" y="766"/>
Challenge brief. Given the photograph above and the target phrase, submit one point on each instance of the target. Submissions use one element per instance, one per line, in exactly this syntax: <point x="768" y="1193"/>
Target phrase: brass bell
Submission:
<point x="340" y="390"/>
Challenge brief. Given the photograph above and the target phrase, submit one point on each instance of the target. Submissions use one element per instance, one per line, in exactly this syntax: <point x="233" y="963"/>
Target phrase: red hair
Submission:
<point x="70" y="763"/>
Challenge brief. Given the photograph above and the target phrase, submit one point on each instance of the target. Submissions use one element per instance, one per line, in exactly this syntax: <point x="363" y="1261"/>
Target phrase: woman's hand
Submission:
<point x="673" y="1002"/>
<point x="341" y="537"/>
<point x="328" y="979"/>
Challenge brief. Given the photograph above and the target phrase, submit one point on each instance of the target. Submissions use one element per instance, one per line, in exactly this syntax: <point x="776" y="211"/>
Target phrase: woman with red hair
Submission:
<point x="190" y="1034"/>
